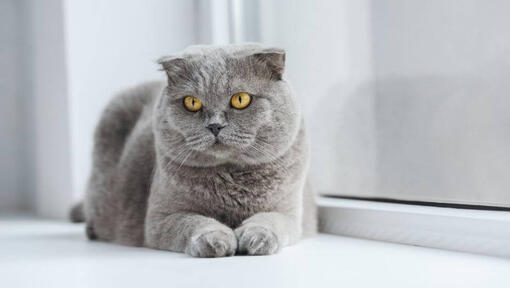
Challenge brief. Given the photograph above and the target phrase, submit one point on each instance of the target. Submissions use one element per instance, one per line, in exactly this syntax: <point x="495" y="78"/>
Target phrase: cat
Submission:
<point x="212" y="162"/>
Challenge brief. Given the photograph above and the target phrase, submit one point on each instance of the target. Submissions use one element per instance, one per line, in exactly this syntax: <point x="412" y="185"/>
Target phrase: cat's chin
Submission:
<point x="218" y="154"/>
<point x="221" y="150"/>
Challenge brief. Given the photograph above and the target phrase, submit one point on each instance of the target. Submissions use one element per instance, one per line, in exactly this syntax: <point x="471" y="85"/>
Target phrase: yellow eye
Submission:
<point x="192" y="103"/>
<point x="240" y="100"/>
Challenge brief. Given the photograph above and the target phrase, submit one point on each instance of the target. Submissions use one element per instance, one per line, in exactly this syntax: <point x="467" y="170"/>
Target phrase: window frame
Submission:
<point x="465" y="230"/>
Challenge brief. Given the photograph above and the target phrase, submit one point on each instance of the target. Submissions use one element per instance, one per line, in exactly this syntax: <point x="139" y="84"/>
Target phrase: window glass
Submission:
<point x="404" y="100"/>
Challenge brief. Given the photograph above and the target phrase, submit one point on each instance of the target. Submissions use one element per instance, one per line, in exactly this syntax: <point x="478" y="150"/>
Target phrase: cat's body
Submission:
<point x="161" y="179"/>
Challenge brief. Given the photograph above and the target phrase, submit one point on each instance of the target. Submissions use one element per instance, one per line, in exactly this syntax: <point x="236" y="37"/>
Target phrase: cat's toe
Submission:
<point x="212" y="244"/>
<point x="256" y="240"/>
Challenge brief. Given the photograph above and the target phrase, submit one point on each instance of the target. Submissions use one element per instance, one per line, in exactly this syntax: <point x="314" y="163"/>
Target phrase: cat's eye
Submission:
<point x="240" y="100"/>
<point x="192" y="103"/>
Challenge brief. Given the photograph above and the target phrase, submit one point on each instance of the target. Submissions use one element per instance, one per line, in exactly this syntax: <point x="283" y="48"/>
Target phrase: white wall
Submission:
<point x="12" y="190"/>
<point x="45" y="79"/>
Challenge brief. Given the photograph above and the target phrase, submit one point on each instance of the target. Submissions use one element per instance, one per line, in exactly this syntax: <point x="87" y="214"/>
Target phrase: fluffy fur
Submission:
<point x="161" y="179"/>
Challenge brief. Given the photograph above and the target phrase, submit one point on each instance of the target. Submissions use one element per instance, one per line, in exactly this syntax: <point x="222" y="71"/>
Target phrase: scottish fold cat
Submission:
<point x="212" y="162"/>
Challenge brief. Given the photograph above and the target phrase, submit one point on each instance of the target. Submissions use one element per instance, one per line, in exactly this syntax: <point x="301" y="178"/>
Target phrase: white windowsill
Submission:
<point x="467" y="230"/>
<point x="44" y="253"/>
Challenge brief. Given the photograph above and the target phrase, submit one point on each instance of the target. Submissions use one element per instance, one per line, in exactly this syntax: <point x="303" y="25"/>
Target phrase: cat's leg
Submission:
<point x="193" y="234"/>
<point x="266" y="233"/>
<point x="310" y="217"/>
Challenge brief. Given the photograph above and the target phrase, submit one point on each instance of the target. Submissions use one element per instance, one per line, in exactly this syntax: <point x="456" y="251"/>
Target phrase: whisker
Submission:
<point x="182" y="150"/>
<point x="271" y="156"/>
<point x="182" y="163"/>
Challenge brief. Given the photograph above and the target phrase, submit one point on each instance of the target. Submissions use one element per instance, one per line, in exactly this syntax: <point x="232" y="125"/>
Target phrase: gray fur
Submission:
<point x="76" y="213"/>
<point x="159" y="180"/>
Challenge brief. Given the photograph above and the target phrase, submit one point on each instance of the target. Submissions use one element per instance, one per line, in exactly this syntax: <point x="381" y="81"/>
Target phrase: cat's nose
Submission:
<point x="215" y="128"/>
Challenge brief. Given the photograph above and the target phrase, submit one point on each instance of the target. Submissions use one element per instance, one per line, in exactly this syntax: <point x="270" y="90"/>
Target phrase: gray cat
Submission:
<point x="212" y="163"/>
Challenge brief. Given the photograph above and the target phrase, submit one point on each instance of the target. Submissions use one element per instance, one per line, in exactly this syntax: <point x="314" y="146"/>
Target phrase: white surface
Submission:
<point x="477" y="231"/>
<point x="36" y="253"/>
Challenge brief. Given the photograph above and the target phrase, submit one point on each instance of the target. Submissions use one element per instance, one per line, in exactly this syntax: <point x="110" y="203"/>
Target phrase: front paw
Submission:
<point x="256" y="240"/>
<point x="216" y="243"/>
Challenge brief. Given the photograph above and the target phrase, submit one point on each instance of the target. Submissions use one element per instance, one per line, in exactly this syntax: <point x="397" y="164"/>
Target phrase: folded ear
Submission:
<point x="274" y="59"/>
<point x="174" y="66"/>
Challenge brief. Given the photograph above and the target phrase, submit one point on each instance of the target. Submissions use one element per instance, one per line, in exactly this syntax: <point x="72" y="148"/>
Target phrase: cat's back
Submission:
<point x="132" y="103"/>
<point x="127" y="110"/>
<point x="123" y="160"/>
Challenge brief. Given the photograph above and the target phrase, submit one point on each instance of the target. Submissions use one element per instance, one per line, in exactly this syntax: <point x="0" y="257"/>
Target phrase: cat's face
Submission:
<point x="225" y="105"/>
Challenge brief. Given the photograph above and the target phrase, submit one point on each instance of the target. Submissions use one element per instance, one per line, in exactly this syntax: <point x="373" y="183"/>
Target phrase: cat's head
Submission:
<point x="225" y="104"/>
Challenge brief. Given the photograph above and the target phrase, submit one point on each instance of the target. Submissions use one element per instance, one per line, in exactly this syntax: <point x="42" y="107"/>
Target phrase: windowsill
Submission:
<point x="466" y="230"/>
<point x="44" y="253"/>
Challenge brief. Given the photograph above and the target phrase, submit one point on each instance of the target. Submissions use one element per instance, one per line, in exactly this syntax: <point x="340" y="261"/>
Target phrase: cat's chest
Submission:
<point x="240" y="189"/>
<point x="231" y="195"/>
<point x="244" y="188"/>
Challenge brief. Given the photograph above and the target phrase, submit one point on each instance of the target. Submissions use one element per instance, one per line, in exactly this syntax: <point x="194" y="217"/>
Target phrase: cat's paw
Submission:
<point x="256" y="240"/>
<point x="216" y="243"/>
